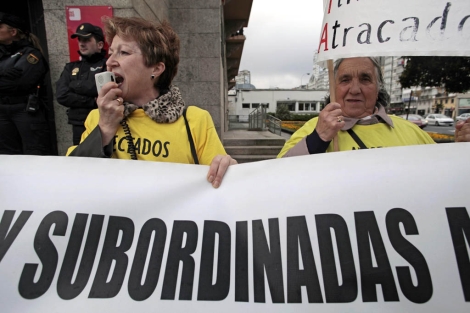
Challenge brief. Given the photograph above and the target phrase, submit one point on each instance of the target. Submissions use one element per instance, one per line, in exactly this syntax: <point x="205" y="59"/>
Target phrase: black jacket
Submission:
<point x="22" y="55"/>
<point x="76" y="88"/>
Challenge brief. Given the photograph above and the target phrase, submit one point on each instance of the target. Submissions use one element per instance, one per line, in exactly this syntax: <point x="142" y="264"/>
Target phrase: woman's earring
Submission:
<point x="152" y="76"/>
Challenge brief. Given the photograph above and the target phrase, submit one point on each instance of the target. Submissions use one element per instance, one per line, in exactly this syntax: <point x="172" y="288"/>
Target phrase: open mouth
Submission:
<point x="119" y="79"/>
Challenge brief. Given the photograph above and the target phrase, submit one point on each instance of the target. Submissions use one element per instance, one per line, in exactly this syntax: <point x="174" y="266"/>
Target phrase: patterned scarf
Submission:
<point x="167" y="108"/>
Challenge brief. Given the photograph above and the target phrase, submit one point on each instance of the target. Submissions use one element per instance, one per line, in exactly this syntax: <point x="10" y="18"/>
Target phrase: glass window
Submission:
<point x="254" y="105"/>
<point x="291" y="106"/>
<point x="245" y="106"/>
<point x="301" y="106"/>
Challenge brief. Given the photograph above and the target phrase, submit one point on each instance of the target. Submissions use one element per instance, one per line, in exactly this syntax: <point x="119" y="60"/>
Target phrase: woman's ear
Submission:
<point x="14" y="31"/>
<point x="158" y="69"/>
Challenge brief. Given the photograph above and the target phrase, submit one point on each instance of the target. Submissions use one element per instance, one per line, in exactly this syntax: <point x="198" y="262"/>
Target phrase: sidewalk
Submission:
<point x="247" y="134"/>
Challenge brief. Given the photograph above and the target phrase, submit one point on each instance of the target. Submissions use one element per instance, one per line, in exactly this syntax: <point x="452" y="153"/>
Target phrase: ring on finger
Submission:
<point x="339" y="119"/>
<point x="119" y="100"/>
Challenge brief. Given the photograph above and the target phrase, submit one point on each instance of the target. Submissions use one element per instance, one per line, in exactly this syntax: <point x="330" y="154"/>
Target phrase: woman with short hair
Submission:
<point x="142" y="115"/>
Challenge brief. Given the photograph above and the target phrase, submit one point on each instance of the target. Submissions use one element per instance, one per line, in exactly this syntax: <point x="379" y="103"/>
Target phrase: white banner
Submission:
<point x="382" y="230"/>
<point x="394" y="28"/>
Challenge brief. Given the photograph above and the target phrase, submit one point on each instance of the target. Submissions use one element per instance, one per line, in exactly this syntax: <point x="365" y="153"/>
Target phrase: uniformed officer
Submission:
<point x="23" y="124"/>
<point x="76" y="87"/>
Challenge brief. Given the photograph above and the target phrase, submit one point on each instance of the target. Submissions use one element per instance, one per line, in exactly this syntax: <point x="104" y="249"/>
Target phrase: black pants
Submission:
<point x="77" y="131"/>
<point x="22" y="132"/>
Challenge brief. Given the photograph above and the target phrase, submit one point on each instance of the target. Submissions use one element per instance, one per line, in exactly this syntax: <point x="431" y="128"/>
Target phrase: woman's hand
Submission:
<point x="218" y="167"/>
<point x="462" y="131"/>
<point x="111" y="111"/>
<point x="330" y="121"/>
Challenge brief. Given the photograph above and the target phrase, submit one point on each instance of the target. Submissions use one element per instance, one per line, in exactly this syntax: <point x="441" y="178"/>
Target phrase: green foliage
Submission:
<point x="282" y="112"/>
<point x="452" y="73"/>
<point x="302" y="117"/>
<point x="293" y="116"/>
<point x="286" y="115"/>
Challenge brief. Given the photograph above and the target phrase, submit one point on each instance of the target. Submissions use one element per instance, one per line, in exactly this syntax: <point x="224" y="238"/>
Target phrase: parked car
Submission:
<point x="439" y="119"/>
<point x="463" y="117"/>
<point x="416" y="119"/>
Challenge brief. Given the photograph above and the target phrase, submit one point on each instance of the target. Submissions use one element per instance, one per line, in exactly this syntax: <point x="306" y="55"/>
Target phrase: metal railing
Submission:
<point x="273" y="124"/>
<point x="237" y="122"/>
<point x="260" y="120"/>
<point x="257" y="119"/>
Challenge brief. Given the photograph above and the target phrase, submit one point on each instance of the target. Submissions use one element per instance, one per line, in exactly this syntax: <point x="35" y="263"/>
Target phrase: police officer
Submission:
<point x="76" y="87"/>
<point x="23" y="128"/>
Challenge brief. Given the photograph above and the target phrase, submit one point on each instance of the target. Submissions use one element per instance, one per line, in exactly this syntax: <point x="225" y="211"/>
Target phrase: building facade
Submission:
<point x="321" y="79"/>
<point x="243" y="77"/>
<point x="463" y="104"/>
<point x="241" y="102"/>
<point x="243" y="80"/>
<point x="418" y="100"/>
<point x="210" y="31"/>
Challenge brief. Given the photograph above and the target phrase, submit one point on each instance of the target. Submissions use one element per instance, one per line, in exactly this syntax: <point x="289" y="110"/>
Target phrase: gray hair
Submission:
<point x="384" y="97"/>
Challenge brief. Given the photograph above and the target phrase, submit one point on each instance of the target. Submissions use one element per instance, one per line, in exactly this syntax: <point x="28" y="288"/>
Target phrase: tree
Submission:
<point x="452" y="73"/>
<point x="282" y="112"/>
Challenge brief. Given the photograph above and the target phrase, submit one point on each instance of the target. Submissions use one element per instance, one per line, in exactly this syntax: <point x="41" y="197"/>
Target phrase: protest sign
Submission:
<point x="354" y="28"/>
<point x="360" y="231"/>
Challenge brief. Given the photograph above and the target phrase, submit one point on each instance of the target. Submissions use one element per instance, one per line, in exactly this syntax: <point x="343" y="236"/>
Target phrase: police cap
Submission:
<point x="86" y="30"/>
<point x="13" y="21"/>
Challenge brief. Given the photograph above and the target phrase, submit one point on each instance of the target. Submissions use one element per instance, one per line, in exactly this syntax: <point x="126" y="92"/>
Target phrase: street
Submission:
<point x="446" y="130"/>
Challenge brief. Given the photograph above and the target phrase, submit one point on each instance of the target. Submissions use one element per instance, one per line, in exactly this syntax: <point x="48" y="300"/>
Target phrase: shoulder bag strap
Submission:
<point x="357" y="139"/>
<point x="190" y="138"/>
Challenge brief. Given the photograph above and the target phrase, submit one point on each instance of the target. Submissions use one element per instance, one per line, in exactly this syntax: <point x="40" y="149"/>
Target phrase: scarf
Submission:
<point x="167" y="108"/>
<point x="379" y="116"/>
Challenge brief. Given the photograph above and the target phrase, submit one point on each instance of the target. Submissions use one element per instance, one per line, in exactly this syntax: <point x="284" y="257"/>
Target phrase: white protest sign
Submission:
<point x="394" y="28"/>
<point x="382" y="230"/>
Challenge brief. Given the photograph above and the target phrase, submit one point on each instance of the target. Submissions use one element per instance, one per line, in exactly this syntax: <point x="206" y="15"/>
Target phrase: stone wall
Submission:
<point x="200" y="78"/>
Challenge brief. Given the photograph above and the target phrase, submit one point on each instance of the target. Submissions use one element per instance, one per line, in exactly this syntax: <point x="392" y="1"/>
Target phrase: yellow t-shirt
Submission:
<point x="164" y="142"/>
<point x="380" y="135"/>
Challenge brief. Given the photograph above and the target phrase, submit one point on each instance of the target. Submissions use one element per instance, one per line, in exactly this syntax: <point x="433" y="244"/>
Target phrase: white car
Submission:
<point x="439" y="119"/>
<point x="463" y="117"/>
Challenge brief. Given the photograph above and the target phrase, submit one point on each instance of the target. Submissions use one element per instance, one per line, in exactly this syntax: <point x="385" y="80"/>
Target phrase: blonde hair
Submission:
<point x="158" y="43"/>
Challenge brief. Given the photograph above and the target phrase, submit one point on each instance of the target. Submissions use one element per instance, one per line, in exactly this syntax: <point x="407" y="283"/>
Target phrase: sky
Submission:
<point x="281" y="38"/>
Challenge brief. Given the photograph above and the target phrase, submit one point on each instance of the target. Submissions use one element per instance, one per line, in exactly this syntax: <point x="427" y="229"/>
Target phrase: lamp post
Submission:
<point x="409" y="102"/>
<point x="302" y="78"/>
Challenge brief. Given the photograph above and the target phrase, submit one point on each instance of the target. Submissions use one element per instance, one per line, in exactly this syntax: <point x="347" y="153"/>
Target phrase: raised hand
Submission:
<point x="330" y="121"/>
